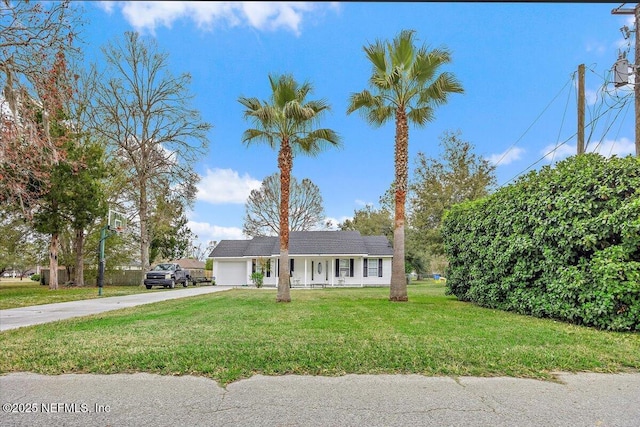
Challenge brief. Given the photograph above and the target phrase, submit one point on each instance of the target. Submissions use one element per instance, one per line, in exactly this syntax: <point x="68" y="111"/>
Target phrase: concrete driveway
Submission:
<point x="37" y="314"/>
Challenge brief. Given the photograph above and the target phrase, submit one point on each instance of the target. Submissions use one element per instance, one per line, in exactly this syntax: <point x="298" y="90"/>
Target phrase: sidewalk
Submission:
<point x="26" y="316"/>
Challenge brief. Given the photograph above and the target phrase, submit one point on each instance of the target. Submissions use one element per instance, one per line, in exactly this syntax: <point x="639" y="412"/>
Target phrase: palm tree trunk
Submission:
<point x="398" y="288"/>
<point x="285" y="163"/>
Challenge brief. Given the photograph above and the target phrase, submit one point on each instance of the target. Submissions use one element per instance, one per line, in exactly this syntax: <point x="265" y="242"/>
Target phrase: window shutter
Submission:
<point x="350" y="267"/>
<point x="278" y="268"/>
<point x="253" y="266"/>
<point x="291" y="265"/>
<point x="337" y="267"/>
<point x="380" y="267"/>
<point x="365" y="273"/>
<point x="311" y="270"/>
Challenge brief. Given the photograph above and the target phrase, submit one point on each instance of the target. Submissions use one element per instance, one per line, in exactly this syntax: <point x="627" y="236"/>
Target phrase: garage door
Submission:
<point x="231" y="273"/>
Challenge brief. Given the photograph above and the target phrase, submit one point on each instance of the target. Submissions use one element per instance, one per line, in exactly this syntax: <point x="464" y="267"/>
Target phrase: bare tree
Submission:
<point x="144" y="114"/>
<point x="262" y="210"/>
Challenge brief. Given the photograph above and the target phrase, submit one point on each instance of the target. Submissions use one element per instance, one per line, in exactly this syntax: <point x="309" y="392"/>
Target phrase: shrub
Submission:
<point x="35" y="277"/>
<point x="258" y="278"/>
<point x="563" y="242"/>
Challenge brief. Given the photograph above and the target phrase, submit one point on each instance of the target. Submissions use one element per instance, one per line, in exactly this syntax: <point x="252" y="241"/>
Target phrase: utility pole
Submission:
<point x="636" y="69"/>
<point x="581" y="109"/>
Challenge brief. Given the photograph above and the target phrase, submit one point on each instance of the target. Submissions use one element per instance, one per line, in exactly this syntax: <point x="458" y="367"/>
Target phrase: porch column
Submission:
<point x="305" y="272"/>
<point x="333" y="269"/>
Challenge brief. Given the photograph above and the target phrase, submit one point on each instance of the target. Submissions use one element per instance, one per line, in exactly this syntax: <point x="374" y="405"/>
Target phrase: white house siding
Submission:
<point x="303" y="277"/>
<point x="385" y="280"/>
<point x="232" y="273"/>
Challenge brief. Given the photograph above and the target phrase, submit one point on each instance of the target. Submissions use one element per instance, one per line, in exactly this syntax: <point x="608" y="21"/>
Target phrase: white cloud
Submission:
<point x="553" y="154"/>
<point x="596" y="47"/>
<point x="226" y="186"/>
<point x="362" y="203"/>
<point x="148" y="15"/>
<point x="336" y="221"/>
<point x="590" y="96"/>
<point x="107" y="6"/>
<point x="607" y="148"/>
<point x="506" y="157"/>
<point x="207" y="232"/>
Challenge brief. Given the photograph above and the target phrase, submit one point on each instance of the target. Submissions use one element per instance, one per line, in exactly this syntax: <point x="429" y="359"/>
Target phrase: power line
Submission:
<point x="611" y="125"/>
<point x="560" y="145"/>
<point x="619" y="129"/>
<point x="571" y="78"/>
<point x="564" y="114"/>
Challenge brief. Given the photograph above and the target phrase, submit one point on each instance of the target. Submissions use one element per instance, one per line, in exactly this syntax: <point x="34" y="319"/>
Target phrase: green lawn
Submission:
<point x="16" y="293"/>
<point x="235" y="334"/>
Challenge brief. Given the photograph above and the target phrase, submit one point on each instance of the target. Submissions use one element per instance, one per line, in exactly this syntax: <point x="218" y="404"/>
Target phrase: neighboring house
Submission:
<point x="316" y="258"/>
<point x="190" y="263"/>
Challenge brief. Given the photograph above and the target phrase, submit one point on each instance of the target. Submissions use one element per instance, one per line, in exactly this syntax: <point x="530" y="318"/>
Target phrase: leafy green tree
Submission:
<point x="460" y="175"/>
<point x="21" y="248"/>
<point x="88" y="200"/>
<point x="406" y="87"/>
<point x="262" y="209"/>
<point x="171" y="240"/>
<point x="286" y="122"/>
<point x="370" y="222"/>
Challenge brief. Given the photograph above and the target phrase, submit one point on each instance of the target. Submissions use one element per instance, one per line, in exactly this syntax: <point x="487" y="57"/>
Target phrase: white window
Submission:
<point x="344" y="268"/>
<point x="372" y="267"/>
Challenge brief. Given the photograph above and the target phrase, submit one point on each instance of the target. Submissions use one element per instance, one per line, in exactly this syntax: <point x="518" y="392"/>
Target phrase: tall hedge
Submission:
<point x="562" y="242"/>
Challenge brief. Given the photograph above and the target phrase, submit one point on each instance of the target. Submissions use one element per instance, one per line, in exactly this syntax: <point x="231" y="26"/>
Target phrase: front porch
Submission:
<point x="322" y="272"/>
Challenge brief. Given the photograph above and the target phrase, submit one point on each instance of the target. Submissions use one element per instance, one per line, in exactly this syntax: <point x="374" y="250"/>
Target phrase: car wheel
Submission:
<point x="185" y="283"/>
<point x="173" y="284"/>
<point x="148" y="286"/>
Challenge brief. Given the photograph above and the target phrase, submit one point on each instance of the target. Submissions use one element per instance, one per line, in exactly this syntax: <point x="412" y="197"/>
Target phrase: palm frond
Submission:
<point x="421" y="116"/>
<point x="402" y="51"/>
<point x="438" y="92"/>
<point x="251" y="136"/>
<point x="376" y="54"/>
<point x="251" y="104"/>
<point x="380" y="115"/>
<point x="315" y="142"/>
<point x="287" y="118"/>
<point x="360" y="100"/>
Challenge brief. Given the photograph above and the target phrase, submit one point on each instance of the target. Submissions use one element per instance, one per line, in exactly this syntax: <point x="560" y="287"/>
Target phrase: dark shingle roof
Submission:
<point x="306" y="243"/>
<point x="326" y="243"/>
<point x="229" y="249"/>
<point x="378" y="245"/>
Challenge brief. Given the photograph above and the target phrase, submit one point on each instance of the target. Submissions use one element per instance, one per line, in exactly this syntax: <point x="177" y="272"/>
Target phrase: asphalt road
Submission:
<point x="575" y="400"/>
<point x="368" y="400"/>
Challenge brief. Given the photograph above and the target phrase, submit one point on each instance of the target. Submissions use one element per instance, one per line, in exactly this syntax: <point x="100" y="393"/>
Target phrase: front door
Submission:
<point x="319" y="271"/>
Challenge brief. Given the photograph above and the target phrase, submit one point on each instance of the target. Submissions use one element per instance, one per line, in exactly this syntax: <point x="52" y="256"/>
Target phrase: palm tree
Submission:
<point x="405" y="85"/>
<point x="287" y="123"/>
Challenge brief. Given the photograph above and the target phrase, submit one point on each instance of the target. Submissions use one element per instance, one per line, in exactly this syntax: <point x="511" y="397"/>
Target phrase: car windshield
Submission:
<point x="163" y="267"/>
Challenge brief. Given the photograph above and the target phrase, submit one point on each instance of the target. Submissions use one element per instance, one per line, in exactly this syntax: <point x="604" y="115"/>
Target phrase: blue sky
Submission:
<point x="516" y="61"/>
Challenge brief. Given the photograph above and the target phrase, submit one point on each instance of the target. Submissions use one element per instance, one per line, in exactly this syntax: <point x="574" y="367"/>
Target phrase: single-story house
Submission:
<point x="316" y="258"/>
